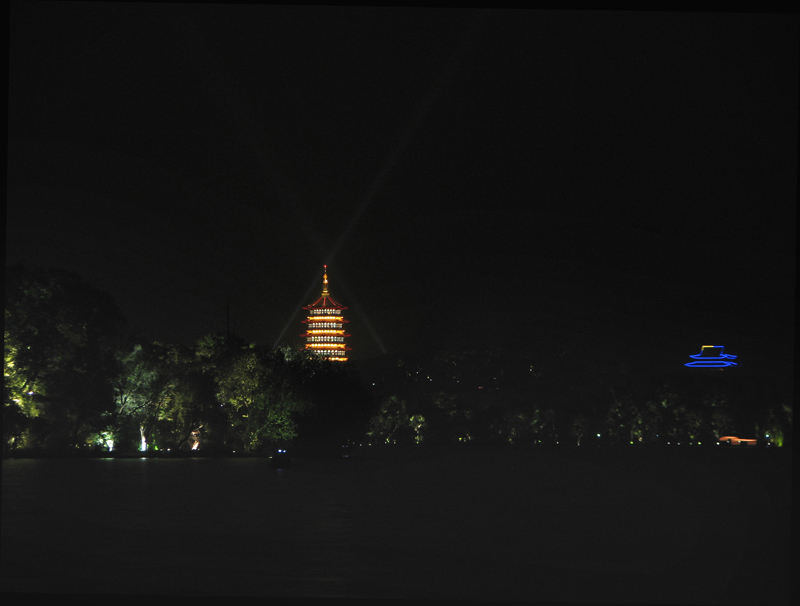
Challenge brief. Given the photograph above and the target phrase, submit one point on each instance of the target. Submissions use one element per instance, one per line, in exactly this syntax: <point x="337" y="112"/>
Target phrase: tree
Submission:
<point x="60" y="338"/>
<point x="143" y="390"/>
<point x="392" y="422"/>
<point x="258" y="399"/>
<point x="337" y="403"/>
<point x="191" y="418"/>
<point x="453" y="422"/>
<point x="579" y="422"/>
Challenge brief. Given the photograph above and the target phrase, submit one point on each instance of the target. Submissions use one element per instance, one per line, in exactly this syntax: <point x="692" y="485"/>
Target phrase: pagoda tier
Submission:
<point x="325" y="334"/>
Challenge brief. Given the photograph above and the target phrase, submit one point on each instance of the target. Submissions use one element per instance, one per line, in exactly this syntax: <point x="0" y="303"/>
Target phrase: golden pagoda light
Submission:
<point x="325" y="334"/>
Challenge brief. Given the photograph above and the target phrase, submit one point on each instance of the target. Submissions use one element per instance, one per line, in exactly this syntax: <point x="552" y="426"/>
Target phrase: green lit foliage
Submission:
<point x="193" y="408"/>
<point x="688" y="409"/>
<point x="526" y="425"/>
<point x="143" y="391"/>
<point x="19" y="395"/>
<point x="418" y="425"/>
<point x="259" y="399"/>
<point x="59" y="341"/>
<point x="391" y="423"/>
<point x="468" y="396"/>
<point x="394" y="424"/>
<point x="629" y="419"/>
<point x="220" y="395"/>
<point x="695" y="409"/>
<point x="528" y="398"/>
<point x="776" y="427"/>
<point x="167" y="396"/>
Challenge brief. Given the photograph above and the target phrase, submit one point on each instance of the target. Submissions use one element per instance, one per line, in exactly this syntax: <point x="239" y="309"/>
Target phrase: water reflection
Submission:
<point x="542" y="529"/>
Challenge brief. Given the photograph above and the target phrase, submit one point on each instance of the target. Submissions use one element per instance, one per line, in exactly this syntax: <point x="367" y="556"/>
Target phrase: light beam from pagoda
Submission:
<point x="446" y="73"/>
<point x="293" y="316"/>
<point x="360" y="313"/>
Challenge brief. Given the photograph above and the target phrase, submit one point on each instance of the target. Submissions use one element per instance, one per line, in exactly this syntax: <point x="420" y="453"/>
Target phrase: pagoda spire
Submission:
<point x="325" y="292"/>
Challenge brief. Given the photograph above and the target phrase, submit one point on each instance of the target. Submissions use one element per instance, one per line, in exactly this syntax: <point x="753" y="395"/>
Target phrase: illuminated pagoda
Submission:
<point x="325" y="333"/>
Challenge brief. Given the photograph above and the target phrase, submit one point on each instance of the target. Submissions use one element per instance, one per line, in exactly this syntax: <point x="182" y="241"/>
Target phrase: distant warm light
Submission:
<point x="711" y="356"/>
<point x="325" y="334"/>
<point x="734" y="441"/>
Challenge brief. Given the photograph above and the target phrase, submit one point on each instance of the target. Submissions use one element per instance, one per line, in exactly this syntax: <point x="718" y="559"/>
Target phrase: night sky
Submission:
<point x="599" y="182"/>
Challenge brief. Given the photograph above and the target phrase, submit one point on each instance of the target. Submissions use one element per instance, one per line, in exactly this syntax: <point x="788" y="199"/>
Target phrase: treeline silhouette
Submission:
<point x="76" y="382"/>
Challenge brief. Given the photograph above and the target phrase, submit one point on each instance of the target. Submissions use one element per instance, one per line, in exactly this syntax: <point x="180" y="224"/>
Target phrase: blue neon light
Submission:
<point x="712" y="356"/>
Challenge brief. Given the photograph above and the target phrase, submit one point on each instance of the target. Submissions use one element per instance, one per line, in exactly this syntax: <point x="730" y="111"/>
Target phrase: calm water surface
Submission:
<point x="533" y="527"/>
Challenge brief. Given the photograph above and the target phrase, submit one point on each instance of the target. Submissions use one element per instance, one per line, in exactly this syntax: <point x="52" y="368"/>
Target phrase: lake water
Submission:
<point x="541" y="526"/>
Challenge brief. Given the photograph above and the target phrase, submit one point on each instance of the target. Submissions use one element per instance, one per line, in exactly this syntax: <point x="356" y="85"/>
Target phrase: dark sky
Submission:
<point x="606" y="181"/>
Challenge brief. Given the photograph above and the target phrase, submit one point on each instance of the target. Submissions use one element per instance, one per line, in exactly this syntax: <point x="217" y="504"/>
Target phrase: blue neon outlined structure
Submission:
<point x="712" y="356"/>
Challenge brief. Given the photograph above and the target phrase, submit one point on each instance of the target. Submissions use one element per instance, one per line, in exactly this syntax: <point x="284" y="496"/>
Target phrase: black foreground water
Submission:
<point x="671" y="526"/>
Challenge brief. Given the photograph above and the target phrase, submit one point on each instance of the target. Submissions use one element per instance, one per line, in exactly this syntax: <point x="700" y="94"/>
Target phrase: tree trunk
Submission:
<point x="143" y="442"/>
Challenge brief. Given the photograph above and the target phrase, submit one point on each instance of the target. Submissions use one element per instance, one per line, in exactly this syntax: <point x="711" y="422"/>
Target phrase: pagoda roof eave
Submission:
<point x="325" y="302"/>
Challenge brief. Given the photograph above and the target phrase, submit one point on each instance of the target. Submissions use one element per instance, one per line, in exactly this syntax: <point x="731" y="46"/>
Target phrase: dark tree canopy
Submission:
<point x="60" y="339"/>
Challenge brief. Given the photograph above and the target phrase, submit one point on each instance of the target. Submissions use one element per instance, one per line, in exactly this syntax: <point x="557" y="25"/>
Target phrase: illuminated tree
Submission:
<point x="166" y="395"/>
<point x="59" y="341"/>
<point x="392" y="422"/>
<point x="143" y="391"/>
<point x="19" y="395"/>
<point x="194" y="417"/>
<point x="419" y="426"/>
<point x="622" y="420"/>
<point x="259" y="400"/>
<point x="524" y="424"/>
<point x="776" y="426"/>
